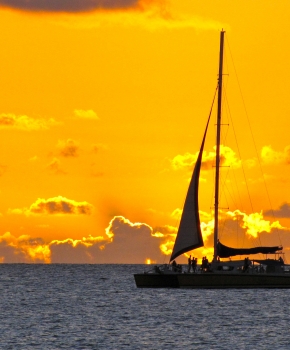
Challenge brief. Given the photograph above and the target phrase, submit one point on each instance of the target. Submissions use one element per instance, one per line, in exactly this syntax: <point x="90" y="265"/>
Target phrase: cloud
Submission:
<point x="23" y="249"/>
<point x="269" y="156"/>
<point x="254" y="223"/>
<point x="127" y="242"/>
<point x="88" y="114"/>
<point x="184" y="161"/>
<point x="162" y="231"/>
<point x="98" y="147"/>
<point x="54" y="167"/>
<point x="55" y="206"/>
<point x="77" y="251"/>
<point x="156" y="15"/>
<point x="67" y="5"/>
<point x="176" y="214"/>
<point x="250" y="163"/>
<point x="262" y="179"/>
<point x="131" y="242"/>
<point x="282" y="212"/>
<point x="86" y="241"/>
<point x="168" y="234"/>
<point x="148" y="14"/>
<point x="68" y="148"/>
<point x="16" y="211"/>
<point x="60" y="205"/>
<point x="187" y="161"/>
<point x="207" y="228"/>
<point x="26" y="249"/>
<point x="120" y="226"/>
<point x="23" y="122"/>
<point x="123" y="242"/>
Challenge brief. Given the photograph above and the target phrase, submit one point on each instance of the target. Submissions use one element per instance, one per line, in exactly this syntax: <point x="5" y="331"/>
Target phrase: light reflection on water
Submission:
<point x="99" y="307"/>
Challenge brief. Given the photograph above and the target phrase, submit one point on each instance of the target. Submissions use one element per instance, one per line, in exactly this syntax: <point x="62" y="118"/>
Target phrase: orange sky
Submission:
<point x="102" y="112"/>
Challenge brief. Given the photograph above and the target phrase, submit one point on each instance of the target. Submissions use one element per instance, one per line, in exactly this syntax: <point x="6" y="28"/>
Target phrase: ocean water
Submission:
<point x="99" y="307"/>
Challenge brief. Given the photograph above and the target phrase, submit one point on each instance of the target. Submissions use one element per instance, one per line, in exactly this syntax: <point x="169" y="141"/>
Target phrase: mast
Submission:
<point x="218" y="136"/>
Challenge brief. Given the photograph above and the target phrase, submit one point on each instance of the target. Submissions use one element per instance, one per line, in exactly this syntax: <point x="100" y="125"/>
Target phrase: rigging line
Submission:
<point x="239" y="153"/>
<point x="237" y="188"/>
<point x="234" y="175"/>
<point x="211" y="108"/>
<point x="242" y="167"/>
<point x="225" y="137"/>
<point x="257" y="154"/>
<point x="232" y="197"/>
<point x="223" y="184"/>
<point x="216" y="89"/>
<point x="224" y="188"/>
<point x="225" y="191"/>
<point x="212" y="104"/>
<point x="210" y="112"/>
<point x="242" y="209"/>
<point x="212" y="196"/>
<point x="224" y="140"/>
<point x="222" y="228"/>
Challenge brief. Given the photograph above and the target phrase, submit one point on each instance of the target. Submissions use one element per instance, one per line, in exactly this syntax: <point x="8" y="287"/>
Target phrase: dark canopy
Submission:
<point x="225" y="252"/>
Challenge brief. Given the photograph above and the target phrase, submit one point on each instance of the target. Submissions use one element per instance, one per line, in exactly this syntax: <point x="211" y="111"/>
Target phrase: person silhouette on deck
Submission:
<point x="189" y="264"/>
<point x="206" y="264"/>
<point x="193" y="264"/>
<point x="246" y="265"/>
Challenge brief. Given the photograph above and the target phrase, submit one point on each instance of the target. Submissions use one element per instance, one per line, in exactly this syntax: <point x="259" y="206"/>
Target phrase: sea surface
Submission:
<point x="99" y="307"/>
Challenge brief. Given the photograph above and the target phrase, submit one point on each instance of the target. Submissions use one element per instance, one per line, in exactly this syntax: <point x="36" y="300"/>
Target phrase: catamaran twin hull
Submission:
<point x="212" y="280"/>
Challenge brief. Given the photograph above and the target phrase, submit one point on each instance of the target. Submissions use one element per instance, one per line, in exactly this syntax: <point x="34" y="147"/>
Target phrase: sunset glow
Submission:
<point x="102" y="113"/>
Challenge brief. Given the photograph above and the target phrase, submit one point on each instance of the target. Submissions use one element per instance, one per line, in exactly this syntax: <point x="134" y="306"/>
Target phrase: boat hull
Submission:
<point x="152" y="280"/>
<point x="233" y="280"/>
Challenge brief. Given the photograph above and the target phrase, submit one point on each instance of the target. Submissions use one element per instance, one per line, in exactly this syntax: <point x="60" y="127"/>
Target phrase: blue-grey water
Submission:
<point x="99" y="307"/>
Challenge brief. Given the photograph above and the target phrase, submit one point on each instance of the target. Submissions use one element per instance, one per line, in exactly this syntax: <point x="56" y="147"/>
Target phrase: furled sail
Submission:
<point x="226" y="252"/>
<point x="189" y="233"/>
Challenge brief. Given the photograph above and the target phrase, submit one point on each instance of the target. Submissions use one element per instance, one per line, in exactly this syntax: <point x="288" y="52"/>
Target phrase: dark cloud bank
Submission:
<point x="67" y="5"/>
<point x="282" y="212"/>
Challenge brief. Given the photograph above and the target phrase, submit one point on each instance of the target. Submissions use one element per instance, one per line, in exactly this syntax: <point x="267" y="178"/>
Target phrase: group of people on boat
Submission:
<point x="176" y="267"/>
<point x="205" y="265"/>
<point x="192" y="264"/>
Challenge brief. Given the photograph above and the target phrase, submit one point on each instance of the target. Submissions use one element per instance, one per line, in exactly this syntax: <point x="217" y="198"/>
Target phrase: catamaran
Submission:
<point x="257" y="273"/>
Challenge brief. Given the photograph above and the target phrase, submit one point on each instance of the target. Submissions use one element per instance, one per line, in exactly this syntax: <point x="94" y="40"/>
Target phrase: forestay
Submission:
<point x="189" y="233"/>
